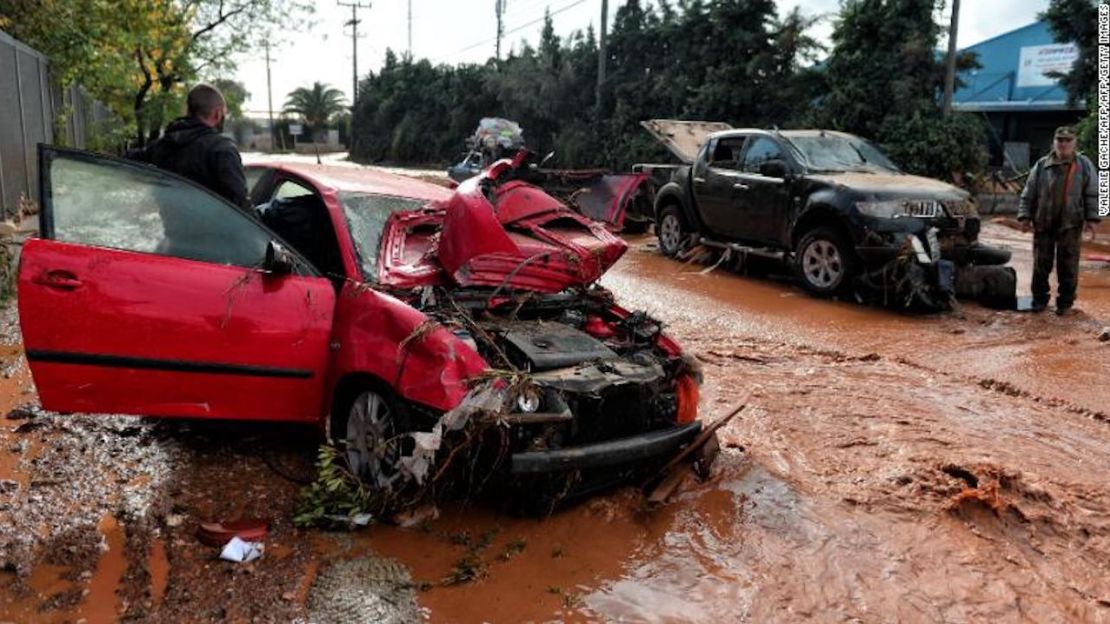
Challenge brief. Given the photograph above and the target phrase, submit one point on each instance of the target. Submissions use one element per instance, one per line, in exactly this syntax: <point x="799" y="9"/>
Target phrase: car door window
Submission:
<point x="726" y="153"/>
<point x="761" y="150"/>
<point x="122" y="205"/>
<point x="367" y="215"/>
<point x="253" y="175"/>
<point x="288" y="189"/>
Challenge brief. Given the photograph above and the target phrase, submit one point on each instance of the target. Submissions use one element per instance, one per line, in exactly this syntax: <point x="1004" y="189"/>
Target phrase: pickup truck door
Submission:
<point x="760" y="201"/>
<point x="713" y="182"/>
<point x="145" y="295"/>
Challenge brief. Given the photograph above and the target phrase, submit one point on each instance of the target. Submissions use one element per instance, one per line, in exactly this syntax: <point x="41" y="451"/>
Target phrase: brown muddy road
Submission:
<point x="891" y="468"/>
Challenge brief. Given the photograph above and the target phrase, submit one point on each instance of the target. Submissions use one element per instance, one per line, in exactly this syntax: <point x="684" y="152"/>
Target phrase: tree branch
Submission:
<point x="221" y="18"/>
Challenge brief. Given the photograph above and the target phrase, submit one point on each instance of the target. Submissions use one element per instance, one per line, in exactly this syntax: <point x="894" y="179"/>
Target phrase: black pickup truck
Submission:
<point x="828" y="204"/>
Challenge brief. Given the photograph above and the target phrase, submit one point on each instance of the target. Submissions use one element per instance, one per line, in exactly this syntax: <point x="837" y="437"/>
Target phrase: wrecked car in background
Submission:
<point x="407" y="319"/>
<point x="494" y="139"/>
<point x="827" y="204"/>
<point x="620" y="200"/>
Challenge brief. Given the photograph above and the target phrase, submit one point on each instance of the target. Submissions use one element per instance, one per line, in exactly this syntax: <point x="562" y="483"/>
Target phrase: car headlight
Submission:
<point x="894" y="208"/>
<point x="529" y="401"/>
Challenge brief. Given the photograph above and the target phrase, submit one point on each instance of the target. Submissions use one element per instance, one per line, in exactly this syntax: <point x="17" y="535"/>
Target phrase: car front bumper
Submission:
<point x="976" y="253"/>
<point x="637" y="449"/>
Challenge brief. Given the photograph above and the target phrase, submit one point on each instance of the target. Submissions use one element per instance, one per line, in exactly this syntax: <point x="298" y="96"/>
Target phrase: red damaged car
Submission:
<point x="386" y="309"/>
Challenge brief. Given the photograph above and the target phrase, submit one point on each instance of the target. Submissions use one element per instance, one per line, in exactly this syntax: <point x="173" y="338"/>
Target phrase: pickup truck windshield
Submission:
<point x="366" y="216"/>
<point x="840" y="153"/>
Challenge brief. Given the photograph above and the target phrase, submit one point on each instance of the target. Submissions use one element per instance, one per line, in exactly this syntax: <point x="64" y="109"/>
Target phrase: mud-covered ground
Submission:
<point x="952" y="467"/>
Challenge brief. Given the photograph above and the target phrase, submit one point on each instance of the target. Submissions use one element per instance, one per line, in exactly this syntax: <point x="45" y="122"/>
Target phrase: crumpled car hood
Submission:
<point x="500" y="233"/>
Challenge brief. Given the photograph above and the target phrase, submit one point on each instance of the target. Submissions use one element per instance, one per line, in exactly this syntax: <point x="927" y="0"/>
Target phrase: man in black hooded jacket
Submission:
<point x="193" y="147"/>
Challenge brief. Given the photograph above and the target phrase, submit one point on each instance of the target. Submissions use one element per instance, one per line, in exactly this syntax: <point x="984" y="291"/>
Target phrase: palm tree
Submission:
<point x="315" y="106"/>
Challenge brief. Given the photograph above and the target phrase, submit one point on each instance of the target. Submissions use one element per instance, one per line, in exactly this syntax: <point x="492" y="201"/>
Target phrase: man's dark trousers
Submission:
<point x="1063" y="247"/>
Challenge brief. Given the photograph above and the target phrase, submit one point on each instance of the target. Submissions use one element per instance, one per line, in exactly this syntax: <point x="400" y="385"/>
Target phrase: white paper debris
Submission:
<point x="240" y="551"/>
<point x="490" y="398"/>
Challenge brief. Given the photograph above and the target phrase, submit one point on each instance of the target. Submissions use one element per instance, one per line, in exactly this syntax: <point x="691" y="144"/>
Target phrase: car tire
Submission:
<point x="672" y="231"/>
<point x="984" y="255"/>
<point x="825" y="262"/>
<point x="368" y="428"/>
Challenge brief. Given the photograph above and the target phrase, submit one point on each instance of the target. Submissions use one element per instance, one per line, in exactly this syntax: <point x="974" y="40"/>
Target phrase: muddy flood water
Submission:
<point x="944" y="468"/>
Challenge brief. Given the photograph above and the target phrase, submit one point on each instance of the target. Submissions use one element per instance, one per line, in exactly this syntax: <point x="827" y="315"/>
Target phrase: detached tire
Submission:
<point x="825" y="262"/>
<point x="671" y="230"/>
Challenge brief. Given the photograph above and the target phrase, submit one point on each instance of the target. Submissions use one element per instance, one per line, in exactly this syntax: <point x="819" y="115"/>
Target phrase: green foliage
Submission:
<point x="315" y="106"/>
<point x="1076" y="21"/>
<point x="935" y="146"/>
<point x="664" y="60"/>
<point x="235" y="94"/>
<point x="891" y="96"/>
<point x="336" y="496"/>
<point x="138" y="56"/>
<point x="720" y="60"/>
<point x="1086" y="131"/>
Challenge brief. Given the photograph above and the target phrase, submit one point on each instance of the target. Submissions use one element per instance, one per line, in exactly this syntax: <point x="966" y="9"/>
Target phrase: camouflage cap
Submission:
<point x="1065" y="132"/>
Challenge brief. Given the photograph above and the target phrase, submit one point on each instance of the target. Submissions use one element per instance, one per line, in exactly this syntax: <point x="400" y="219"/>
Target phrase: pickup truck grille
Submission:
<point x="927" y="209"/>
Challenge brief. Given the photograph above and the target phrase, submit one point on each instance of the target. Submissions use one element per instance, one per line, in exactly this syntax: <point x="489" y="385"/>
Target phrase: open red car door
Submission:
<point x="145" y="295"/>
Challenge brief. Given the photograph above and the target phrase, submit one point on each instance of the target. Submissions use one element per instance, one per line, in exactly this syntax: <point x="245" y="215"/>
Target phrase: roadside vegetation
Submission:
<point x="721" y="60"/>
<point x="139" y="57"/>
<point x="1077" y="20"/>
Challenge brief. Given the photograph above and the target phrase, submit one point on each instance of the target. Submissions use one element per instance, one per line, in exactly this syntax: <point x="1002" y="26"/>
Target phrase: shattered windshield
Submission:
<point x="840" y="153"/>
<point x="366" y="217"/>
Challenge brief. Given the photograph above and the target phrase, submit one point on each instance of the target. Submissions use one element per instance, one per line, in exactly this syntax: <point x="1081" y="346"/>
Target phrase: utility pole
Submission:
<point x="950" y="61"/>
<point x="353" y="23"/>
<point x="499" y="7"/>
<point x="602" y="55"/>
<point x="270" y="100"/>
<point x="410" y="29"/>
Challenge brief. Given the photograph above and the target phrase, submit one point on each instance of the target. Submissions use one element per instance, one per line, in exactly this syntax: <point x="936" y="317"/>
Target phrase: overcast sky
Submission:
<point x="464" y="31"/>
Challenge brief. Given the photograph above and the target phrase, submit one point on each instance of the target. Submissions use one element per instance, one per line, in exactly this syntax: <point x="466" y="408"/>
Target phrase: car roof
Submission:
<point x="807" y="132"/>
<point x="360" y="180"/>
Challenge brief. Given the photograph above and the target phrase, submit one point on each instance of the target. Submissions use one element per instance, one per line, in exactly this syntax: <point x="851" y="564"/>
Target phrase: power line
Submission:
<point x="518" y="7"/>
<point x="522" y="26"/>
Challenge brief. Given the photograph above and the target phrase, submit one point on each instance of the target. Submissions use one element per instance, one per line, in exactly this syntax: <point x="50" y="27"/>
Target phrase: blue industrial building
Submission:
<point x="1021" y="104"/>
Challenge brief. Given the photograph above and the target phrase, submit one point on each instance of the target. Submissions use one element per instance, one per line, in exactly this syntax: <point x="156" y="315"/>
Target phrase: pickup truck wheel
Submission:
<point x="372" y="444"/>
<point x="824" y="262"/>
<point x="671" y="230"/>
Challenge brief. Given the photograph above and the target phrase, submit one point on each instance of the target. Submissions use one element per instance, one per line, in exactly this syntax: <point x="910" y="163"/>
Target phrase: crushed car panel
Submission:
<point x="512" y="234"/>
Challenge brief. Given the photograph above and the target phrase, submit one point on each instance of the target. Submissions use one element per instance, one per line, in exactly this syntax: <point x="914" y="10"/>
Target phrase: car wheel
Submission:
<point x="371" y="437"/>
<point x="824" y="262"/>
<point x="671" y="230"/>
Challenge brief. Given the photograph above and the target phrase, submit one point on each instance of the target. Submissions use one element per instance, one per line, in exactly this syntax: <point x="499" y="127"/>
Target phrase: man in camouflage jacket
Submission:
<point x="1059" y="201"/>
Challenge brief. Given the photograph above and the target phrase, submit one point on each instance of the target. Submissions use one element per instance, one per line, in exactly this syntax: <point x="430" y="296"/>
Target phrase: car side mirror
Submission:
<point x="279" y="260"/>
<point x="775" y="168"/>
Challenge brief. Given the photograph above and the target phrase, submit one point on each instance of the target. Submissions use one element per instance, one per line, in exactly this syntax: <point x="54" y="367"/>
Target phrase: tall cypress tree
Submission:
<point x="882" y="81"/>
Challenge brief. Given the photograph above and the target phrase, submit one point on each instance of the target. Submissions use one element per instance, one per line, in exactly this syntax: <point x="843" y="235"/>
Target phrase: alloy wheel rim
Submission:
<point x="371" y="451"/>
<point x="821" y="264"/>
<point x="670" y="232"/>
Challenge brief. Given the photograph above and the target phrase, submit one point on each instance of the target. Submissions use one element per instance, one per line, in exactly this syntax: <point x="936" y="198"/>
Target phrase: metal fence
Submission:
<point x="29" y="105"/>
